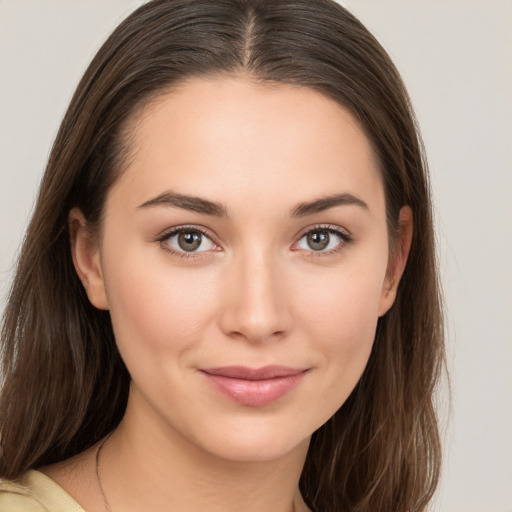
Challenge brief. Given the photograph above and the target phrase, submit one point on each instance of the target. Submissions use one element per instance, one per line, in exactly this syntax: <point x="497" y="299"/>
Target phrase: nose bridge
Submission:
<point x="256" y="307"/>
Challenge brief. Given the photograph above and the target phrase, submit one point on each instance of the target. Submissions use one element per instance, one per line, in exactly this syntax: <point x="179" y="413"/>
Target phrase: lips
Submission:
<point x="254" y="387"/>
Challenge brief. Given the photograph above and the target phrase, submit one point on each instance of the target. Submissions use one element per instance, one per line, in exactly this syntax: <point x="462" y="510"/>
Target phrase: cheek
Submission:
<point x="156" y="308"/>
<point x="342" y="325"/>
<point x="340" y="316"/>
<point x="344" y="305"/>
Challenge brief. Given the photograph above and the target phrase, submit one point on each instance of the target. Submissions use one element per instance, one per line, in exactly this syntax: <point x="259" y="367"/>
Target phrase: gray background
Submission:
<point x="455" y="57"/>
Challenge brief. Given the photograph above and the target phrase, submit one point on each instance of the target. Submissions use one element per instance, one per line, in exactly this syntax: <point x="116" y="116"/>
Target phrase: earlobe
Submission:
<point x="86" y="258"/>
<point x="398" y="260"/>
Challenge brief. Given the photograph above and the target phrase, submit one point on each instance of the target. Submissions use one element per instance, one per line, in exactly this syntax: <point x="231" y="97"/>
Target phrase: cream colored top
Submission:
<point x="35" y="492"/>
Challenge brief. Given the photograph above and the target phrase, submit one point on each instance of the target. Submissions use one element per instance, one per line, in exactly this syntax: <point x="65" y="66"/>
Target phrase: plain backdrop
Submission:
<point x="456" y="59"/>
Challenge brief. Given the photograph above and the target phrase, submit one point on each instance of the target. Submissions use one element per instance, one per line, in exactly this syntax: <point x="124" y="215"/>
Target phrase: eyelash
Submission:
<point x="344" y="236"/>
<point x="345" y="239"/>
<point x="181" y="229"/>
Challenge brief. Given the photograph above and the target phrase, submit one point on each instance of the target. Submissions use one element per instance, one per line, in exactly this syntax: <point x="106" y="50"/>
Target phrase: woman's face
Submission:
<point x="244" y="261"/>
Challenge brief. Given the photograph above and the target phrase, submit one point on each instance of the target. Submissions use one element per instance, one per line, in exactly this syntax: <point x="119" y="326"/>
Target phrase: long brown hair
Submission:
<point x="64" y="385"/>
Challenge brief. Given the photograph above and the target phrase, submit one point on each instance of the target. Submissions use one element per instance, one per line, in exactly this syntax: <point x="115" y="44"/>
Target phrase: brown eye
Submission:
<point x="318" y="240"/>
<point x="188" y="240"/>
<point x="322" y="240"/>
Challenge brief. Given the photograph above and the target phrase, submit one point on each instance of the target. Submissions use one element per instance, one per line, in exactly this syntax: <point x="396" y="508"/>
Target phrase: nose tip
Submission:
<point x="256" y="328"/>
<point x="253" y="336"/>
<point x="255" y="307"/>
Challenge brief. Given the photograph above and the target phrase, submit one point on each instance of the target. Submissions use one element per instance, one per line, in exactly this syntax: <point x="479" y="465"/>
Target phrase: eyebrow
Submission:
<point x="325" y="203"/>
<point x="191" y="203"/>
<point x="206" y="207"/>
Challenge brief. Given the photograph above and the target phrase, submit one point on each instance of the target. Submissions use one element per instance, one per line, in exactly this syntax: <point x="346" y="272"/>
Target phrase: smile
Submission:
<point x="254" y="387"/>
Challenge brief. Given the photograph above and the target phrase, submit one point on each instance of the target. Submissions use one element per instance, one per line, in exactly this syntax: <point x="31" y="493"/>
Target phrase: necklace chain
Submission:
<point x="98" y="478"/>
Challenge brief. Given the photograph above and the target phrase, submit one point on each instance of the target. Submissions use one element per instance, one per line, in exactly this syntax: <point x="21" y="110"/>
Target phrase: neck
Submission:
<point x="148" y="466"/>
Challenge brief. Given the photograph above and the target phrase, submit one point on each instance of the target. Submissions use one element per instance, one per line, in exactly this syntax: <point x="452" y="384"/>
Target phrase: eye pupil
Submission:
<point x="318" y="240"/>
<point x="189" y="240"/>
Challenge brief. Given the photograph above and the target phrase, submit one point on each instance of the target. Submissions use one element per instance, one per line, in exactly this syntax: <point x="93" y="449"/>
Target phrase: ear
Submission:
<point x="398" y="260"/>
<point x="85" y="251"/>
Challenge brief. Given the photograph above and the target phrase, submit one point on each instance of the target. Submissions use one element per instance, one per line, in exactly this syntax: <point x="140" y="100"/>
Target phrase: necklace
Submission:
<point x="98" y="478"/>
<point x="100" y="447"/>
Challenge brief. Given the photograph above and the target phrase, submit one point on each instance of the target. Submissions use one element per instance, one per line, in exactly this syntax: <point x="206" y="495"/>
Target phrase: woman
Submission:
<point x="227" y="296"/>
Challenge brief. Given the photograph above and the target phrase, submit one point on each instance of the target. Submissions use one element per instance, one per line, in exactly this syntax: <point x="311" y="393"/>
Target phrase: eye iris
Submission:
<point x="189" y="240"/>
<point x="318" y="240"/>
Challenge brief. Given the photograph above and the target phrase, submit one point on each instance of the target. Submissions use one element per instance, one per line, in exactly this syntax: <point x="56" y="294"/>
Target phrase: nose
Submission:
<point x="255" y="305"/>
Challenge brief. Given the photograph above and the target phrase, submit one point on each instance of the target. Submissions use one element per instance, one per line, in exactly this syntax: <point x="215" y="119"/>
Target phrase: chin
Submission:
<point x="254" y="439"/>
<point x="259" y="449"/>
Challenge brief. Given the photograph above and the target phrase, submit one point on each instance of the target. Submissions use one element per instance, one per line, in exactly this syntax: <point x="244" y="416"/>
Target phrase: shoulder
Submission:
<point x="35" y="492"/>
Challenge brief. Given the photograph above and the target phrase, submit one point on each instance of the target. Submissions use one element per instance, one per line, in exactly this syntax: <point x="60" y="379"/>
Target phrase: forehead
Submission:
<point x="227" y="138"/>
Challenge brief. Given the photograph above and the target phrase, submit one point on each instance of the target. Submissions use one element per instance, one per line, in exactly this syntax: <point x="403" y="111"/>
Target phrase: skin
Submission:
<point x="254" y="294"/>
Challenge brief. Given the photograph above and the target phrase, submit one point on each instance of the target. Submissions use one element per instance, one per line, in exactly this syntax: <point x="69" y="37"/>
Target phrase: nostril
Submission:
<point x="254" y="304"/>
<point x="256" y="330"/>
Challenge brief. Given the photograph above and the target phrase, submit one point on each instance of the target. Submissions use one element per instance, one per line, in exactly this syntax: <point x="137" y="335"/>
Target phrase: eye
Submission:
<point x="188" y="240"/>
<point x="323" y="240"/>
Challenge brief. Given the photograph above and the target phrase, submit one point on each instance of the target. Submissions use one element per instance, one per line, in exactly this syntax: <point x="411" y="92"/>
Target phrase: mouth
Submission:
<point x="254" y="387"/>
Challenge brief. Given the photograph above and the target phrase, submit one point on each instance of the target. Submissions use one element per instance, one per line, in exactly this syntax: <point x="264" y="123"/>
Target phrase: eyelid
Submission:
<point x="174" y="230"/>
<point x="326" y="227"/>
<point x="344" y="234"/>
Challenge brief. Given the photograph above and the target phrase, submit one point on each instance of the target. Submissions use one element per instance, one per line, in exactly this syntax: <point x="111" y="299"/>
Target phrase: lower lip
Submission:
<point x="255" y="393"/>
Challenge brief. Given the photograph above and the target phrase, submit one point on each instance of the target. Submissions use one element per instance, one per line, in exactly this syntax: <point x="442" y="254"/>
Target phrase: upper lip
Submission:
<point x="247" y="373"/>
